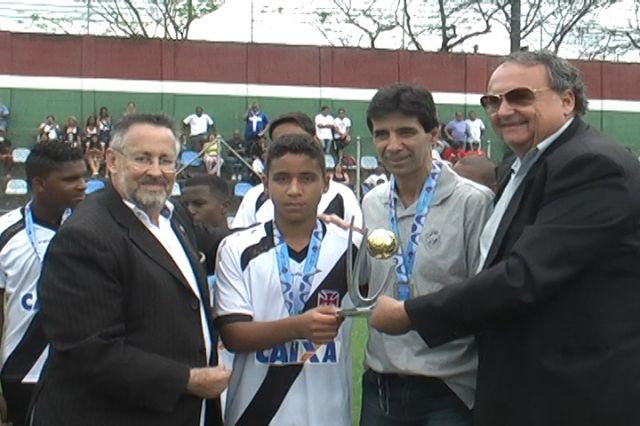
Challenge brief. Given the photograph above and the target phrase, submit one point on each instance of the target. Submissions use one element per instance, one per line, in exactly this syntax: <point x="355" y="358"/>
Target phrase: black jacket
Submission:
<point x="123" y="323"/>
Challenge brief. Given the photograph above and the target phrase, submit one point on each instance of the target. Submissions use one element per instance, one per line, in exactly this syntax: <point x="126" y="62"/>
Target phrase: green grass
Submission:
<point x="358" y="342"/>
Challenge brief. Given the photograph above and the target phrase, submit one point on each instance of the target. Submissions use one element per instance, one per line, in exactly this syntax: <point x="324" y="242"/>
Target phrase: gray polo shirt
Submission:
<point x="448" y="253"/>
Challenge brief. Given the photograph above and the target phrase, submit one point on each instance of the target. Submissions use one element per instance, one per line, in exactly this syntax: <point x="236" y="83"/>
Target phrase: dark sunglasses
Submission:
<point x="520" y="96"/>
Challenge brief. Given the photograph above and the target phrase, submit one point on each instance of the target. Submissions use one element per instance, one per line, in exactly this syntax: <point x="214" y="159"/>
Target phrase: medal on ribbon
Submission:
<point x="295" y="295"/>
<point x="405" y="256"/>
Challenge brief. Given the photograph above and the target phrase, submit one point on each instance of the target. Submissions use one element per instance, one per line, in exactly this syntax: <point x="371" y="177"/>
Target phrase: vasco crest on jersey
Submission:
<point x="328" y="298"/>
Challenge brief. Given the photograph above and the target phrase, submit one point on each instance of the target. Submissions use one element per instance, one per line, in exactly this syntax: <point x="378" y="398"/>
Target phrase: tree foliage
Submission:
<point x="169" y="19"/>
<point x="546" y="24"/>
<point x="598" y="40"/>
<point x="372" y="18"/>
<point x="411" y="23"/>
<point x="453" y="24"/>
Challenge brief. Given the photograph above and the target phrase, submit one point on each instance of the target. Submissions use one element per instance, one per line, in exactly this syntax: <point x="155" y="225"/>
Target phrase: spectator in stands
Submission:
<point x="324" y="129"/>
<point x="72" y="133"/>
<point x="90" y="128"/>
<point x="341" y="132"/>
<point x="476" y="129"/>
<point x="94" y="154"/>
<point x="239" y="146"/>
<point x="259" y="148"/>
<point x="207" y="199"/>
<point x="48" y="129"/>
<point x="453" y="152"/>
<point x="256" y="123"/>
<point x="378" y="177"/>
<point x="340" y="175"/>
<point x="440" y="145"/>
<point x="212" y="161"/>
<point x="55" y="174"/>
<point x="475" y="150"/>
<point x="6" y="157"/>
<point x="130" y="108"/>
<point x="478" y="169"/>
<point x="104" y="125"/>
<point x="198" y="126"/>
<point x="257" y="165"/>
<point x="457" y="131"/>
<point x="4" y="116"/>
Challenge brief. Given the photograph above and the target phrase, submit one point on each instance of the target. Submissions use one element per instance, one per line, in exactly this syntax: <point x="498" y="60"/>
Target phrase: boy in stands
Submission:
<point x="280" y="284"/>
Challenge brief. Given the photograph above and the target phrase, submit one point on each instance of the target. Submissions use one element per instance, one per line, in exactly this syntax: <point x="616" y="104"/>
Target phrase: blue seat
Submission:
<point x="368" y="162"/>
<point x="93" y="185"/>
<point x="241" y="188"/>
<point x="329" y="162"/>
<point x="190" y="158"/>
<point x="20" y="155"/>
<point x="16" y="187"/>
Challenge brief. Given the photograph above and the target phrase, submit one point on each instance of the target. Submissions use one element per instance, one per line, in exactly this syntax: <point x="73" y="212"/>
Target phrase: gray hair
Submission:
<point x="562" y="74"/>
<point x="118" y="135"/>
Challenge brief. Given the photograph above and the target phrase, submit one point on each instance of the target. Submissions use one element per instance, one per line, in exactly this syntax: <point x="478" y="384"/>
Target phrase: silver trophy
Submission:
<point x="380" y="244"/>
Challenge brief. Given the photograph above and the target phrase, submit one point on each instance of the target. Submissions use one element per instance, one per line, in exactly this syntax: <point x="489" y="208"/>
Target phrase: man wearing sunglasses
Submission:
<point x="124" y="299"/>
<point x="555" y="306"/>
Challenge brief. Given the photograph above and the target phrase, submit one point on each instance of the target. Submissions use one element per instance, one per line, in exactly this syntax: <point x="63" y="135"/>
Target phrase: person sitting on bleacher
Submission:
<point x="379" y="176"/>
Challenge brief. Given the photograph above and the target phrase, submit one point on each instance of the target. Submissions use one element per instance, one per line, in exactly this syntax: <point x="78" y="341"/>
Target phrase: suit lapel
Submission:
<point x="194" y="256"/>
<point x="141" y="237"/>
<point x="507" y="218"/>
<point x="203" y="288"/>
<point x="518" y="196"/>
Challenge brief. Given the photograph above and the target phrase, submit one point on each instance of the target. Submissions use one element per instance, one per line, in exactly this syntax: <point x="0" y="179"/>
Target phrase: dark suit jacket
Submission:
<point x="557" y="308"/>
<point x="123" y="323"/>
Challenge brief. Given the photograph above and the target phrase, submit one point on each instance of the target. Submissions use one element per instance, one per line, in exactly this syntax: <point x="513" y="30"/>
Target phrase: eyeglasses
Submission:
<point x="520" y="96"/>
<point x="145" y="162"/>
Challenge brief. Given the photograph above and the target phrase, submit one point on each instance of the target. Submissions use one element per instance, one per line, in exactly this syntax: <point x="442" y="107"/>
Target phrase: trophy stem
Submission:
<point x="353" y="276"/>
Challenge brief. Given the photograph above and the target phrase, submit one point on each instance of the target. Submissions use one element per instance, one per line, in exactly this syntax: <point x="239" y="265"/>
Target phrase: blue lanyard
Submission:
<point x="30" y="228"/>
<point x="405" y="258"/>
<point x="295" y="297"/>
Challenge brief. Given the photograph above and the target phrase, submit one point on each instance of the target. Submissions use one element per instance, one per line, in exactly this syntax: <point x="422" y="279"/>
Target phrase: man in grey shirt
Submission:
<point x="437" y="217"/>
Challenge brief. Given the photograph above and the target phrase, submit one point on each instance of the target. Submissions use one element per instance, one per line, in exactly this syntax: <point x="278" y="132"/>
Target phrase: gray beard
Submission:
<point x="146" y="202"/>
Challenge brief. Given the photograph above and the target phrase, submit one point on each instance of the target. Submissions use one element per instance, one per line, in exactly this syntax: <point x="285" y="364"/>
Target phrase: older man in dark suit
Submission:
<point x="555" y="308"/>
<point x="124" y="300"/>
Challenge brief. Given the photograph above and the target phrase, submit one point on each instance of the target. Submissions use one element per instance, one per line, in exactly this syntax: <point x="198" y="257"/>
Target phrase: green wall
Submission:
<point x="29" y="107"/>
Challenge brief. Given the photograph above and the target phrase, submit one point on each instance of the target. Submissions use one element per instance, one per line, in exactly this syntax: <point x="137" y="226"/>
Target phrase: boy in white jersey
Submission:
<point x="280" y="284"/>
<point x="55" y="175"/>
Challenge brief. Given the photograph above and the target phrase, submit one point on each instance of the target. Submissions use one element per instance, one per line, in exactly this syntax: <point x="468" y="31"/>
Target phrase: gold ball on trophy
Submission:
<point x="382" y="243"/>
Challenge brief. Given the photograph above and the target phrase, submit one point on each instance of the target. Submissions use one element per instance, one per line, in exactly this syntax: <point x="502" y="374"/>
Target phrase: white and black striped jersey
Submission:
<point x="24" y="347"/>
<point x="294" y="383"/>
<point x="256" y="207"/>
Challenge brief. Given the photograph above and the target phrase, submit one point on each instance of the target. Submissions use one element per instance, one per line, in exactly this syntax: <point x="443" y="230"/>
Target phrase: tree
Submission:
<point x="409" y="23"/>
<point x="619" y="40"/>
<point x="449" y="25"/>
<point x="543" y="23"/>
<point x="456" y="22"/>
<point x="371" y="19"/>
<point x="170" y="19"/>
